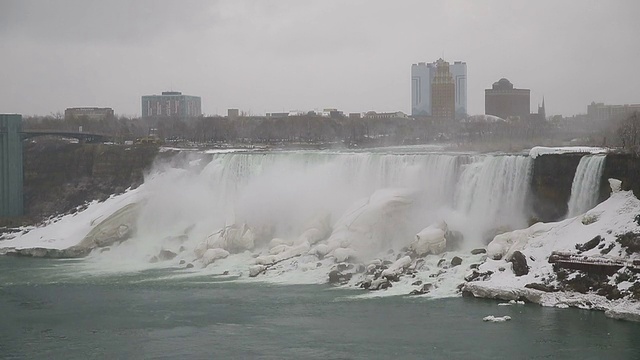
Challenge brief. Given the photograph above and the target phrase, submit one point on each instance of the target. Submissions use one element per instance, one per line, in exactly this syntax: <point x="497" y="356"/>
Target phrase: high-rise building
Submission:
<point x="458" y="72"/>
<point x="422" y="76"/>
<point x="171" y="104"/>
<point x="443" y="92"/>
<point x="505" y="101"/>
<point x="602" y="112"/>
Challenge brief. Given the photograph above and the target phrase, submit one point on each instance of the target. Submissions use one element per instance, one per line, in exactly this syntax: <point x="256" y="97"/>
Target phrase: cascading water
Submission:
<point x="299" y="213"/>
<point x="586" y="184"/>
<point x="283" y="190"/>
<point x="491" y="193"/>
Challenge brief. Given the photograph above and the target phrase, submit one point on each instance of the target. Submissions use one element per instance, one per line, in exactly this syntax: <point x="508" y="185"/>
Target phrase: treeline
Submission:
<point x="310" y="128"/>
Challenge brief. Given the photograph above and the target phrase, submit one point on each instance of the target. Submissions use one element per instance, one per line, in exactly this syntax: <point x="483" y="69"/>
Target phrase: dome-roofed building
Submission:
<point x="505" y="101"/>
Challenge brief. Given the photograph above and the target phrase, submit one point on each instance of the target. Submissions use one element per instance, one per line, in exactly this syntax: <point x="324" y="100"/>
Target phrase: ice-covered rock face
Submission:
<point x="371" y="224"/>
<point x="431" y="240"/>
<point x="615" y="185"/>
<point x="118" y="226"/>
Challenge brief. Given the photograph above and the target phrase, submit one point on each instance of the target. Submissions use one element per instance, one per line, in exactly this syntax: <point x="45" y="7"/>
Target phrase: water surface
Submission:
<point x="51" y="311"/>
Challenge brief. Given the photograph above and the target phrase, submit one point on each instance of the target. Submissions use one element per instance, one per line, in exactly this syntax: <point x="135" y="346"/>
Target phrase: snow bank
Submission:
<point x="601" y="226"/>
<point x="541" y="150"/>
<point x="70" y="230"/>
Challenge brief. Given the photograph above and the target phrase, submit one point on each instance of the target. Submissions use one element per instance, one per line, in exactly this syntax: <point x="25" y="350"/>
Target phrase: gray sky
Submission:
<point x="262" y="56"/>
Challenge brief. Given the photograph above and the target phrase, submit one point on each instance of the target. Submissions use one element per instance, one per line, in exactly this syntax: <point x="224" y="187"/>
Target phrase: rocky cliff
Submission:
<point x="553" y="175"/>
<point x="551" y="185"/>
<point x="59" y="176"/>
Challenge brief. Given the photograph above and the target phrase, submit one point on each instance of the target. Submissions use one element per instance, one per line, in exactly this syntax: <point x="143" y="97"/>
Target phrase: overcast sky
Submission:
<point x="262" y="56"/>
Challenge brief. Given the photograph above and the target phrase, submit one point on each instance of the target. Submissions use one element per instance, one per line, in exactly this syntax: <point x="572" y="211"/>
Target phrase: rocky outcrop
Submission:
<point x="624" y="167"/>
<point x="519" y="262"/>
<point x="69" y="253"/>
<point x="59" y="176"/>
<point x="118" y="227"/>
<point x="551" y="185"/>
<point x="553" y="176"/>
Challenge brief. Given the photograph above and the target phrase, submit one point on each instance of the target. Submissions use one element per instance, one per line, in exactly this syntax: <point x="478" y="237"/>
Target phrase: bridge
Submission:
<point x="11" y="166"/>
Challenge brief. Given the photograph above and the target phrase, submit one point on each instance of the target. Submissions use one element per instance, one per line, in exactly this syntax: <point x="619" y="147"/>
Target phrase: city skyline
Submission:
<point x="265" y="56"/>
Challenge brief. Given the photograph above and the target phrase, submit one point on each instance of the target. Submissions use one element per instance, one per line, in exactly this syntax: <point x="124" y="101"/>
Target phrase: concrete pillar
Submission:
<point x="11" y="172"/>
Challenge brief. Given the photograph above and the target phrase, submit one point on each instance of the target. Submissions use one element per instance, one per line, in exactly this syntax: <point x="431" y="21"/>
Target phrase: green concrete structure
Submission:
<point x="11" y="172"/>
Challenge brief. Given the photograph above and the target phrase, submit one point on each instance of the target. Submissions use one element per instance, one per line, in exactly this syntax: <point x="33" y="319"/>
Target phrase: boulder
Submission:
<point x="343" y="254"/>
<point x="423" y="290"/>
<point x="118" y="227"/>
<point x="166" y="255"/>
<point x="397" y="268"/>
<point x="478" y="276"/>
<point x="212" y="255"/>
<point x="589" y="244"/>
<point x="478" y="251"/>
<point x="278" y="241"/>
<point x="380" y="283"/>
<point x="279" y="249"/>
<point x="519" y="262"/>
<point x="256" y="270"/>
<point x="456" y="261"/>
<point x="431" y="240"/>
<point x="616" y="185"/>
<point x="370" y="224"/>
<point x="336" y="277"/>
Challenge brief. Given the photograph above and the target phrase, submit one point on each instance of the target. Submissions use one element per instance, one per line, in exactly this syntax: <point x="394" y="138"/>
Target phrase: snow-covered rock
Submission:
<point x="608" y="241"/>
<point x="397" y="267"/>
<point x="344" y="254"/>
<point x="371" y="224"/>
<point x="431" y="240"/>
<point x="542" y="150"/>
<point x="278" y="241"/>
<point x="492" y="318"/>
<point x="212" y="255"/>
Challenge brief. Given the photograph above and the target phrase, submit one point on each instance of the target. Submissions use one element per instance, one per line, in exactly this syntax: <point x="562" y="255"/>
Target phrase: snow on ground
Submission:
<point x="613" y="217"/>
<point x="69" y="230"/>
<point x="542" y="150"/>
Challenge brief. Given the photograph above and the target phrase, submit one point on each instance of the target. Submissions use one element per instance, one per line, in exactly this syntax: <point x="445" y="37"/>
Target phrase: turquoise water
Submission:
<point x="50" y="311"/>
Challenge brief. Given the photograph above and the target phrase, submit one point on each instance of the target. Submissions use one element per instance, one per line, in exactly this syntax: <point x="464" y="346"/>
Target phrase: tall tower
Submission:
<point x="542" y="112"/>
<point x="458" y="72"/>
<point x="11" y="173"/>
<point x="443" y="92"/>
<point x="421" y="76"/>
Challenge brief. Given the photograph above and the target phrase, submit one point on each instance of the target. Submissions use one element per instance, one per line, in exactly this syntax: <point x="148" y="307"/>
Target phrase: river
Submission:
<point x="52" y="309"/>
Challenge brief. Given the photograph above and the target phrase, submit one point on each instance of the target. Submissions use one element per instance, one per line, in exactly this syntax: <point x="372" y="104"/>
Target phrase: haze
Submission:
<point x="263" y="56"/>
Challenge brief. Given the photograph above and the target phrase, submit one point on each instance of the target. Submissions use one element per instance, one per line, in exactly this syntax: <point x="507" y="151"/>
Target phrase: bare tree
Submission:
<point x="629" y="132"/>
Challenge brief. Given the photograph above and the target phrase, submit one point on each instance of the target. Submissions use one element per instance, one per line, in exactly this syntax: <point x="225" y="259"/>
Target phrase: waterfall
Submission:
<point x="586" y="184"/>
<point x="492" y="191"/>
<point x="474" y="194"/>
